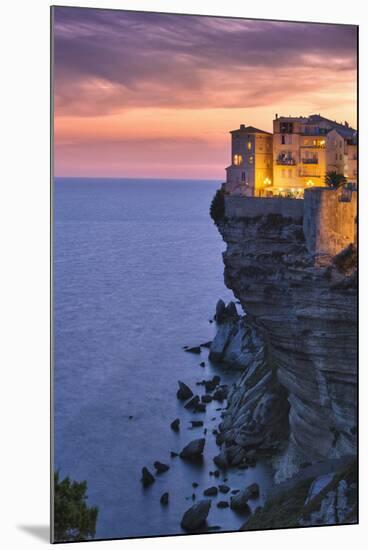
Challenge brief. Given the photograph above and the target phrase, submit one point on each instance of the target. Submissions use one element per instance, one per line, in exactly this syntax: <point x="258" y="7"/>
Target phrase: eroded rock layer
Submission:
<point x="305" y="309"/>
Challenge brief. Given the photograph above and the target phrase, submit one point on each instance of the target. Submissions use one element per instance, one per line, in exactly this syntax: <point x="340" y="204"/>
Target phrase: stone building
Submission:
<point x="352" y="153"/>
<point x="305" y="148"/>
<point x="250" y="172"/>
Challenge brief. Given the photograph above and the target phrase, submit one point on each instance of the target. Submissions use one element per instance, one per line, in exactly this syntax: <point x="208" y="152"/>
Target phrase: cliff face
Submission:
<point x="305" y="310"/>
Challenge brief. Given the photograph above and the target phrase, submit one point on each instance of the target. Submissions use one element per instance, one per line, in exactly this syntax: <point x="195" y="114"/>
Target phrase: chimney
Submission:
<point x="242" y="126"/>
<point x="276" y="116"/>
<point x="346" y="124"/>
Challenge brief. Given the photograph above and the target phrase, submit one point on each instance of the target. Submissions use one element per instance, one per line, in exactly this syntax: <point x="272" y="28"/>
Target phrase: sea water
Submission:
<point x="137" y="274"/>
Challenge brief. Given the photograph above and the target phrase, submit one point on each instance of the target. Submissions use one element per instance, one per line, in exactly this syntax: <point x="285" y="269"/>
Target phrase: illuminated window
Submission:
<point x="238" y="160"/>
<point x="249" y="145"/>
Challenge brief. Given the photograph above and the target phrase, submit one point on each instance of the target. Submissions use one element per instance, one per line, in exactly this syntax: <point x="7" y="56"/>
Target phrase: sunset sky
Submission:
<point x="150" y="95"/>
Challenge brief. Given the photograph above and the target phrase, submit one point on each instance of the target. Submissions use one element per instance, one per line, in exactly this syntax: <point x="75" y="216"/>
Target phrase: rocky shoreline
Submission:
<point x="196" y="400"/>
<point x="254" y="425"/>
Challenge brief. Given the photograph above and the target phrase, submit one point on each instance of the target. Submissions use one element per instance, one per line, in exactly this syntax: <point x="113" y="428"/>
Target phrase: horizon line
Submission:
<point x="135" y="178"/>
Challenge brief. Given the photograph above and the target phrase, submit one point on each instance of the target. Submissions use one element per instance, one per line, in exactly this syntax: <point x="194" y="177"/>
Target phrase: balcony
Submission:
<point x="285" y="161"/>
<point x="310" y="161"/>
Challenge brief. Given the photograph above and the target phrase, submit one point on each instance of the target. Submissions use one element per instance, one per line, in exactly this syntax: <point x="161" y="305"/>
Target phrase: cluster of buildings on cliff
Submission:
<point x="296" y="156"/>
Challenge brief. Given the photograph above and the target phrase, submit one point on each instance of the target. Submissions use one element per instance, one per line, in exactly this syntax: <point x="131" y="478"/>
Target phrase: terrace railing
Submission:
<point x="310" y="161"/>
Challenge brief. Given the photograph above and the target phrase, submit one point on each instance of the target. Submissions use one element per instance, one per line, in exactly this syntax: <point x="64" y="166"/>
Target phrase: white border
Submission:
<point x="24" y="200"/>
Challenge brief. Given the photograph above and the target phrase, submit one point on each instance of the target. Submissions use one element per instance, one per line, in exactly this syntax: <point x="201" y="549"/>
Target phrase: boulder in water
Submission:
<point x="161" y="467"/>
<point x="240" y="500"/>
<point x="207" y="398"/>
<point x="196" y="423"/>
<point x="221" y="460"/>
<point x="210" y="492"/>
<point x="220" y="394"/>
<point x="194" y="349"/>
<point x="192" y="403"/>
<point x="222" y="504"/>
<point x="184" y="392"/>
<point x="194" y="449"/>
<point x="175" y="425"/>
<point x="147" y="478"/>
<point x="196" y="516"/>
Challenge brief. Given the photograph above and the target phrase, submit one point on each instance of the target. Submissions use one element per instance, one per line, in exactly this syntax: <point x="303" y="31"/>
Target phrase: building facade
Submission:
<point x="305" y="148"/>
<point x="250" y="171"/>
<point x="352" y="156"/>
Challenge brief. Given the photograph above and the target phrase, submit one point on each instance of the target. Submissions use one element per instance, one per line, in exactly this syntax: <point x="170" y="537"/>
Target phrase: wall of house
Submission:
<point x="352" y="163"/>
<point x="263" y="162"/>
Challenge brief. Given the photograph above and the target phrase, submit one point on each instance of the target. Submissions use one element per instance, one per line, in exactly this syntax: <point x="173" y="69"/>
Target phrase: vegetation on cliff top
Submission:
<point x="334" y="180"/>
<point x="217" y="209"/>
<point x="73" y="519"/>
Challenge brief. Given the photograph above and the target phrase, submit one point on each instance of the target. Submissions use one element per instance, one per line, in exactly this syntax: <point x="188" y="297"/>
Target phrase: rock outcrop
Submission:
<point x="297" y="344"/>
<point x="196" y="516"/>
<point x="236" y="343"/>
<point x="257" y="412"/>
<point x="323" y="500"/>
<point x="240" y="500"/>
<point x="193" y="450"/>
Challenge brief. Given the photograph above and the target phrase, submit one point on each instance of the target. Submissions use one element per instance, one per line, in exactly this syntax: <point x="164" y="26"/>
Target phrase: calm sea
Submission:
<point x="137" y="273"/>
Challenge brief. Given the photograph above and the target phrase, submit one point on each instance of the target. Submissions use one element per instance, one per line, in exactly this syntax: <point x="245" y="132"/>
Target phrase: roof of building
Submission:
<point x="344" y="130"/>
<point x="250" y="130"/>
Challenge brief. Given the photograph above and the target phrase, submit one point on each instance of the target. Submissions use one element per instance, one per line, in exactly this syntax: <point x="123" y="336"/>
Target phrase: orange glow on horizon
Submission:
<point x="123" y="111"/>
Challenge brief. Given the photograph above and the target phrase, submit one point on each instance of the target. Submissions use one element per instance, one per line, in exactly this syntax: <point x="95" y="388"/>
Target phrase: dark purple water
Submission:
<point x="137" y="273"/>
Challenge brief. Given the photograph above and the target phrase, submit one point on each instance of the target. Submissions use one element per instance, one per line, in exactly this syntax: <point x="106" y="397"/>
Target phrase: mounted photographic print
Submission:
<point x="204" y="274"/>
